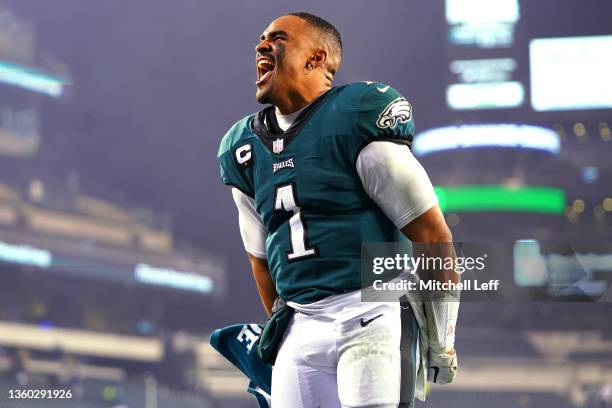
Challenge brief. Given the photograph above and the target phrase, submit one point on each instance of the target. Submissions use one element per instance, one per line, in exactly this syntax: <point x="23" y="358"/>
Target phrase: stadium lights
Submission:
<point x="172" y="278"/>
<point x="25" y="255"/>
<point x="482" y="11"/>
<point x="604" y="131"/>
<point x="584" y="59"/>
<point x="142" y="272"/>
<point x="491" y="95"/>
<point x="483" y="23"/>
<point x="32" y="79"/>
<point x="494" y="135"/>
<point x="493" y="198"/>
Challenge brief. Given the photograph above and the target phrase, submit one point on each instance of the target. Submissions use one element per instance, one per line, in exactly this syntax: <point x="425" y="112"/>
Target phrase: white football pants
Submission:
<point x="339" y="355"/>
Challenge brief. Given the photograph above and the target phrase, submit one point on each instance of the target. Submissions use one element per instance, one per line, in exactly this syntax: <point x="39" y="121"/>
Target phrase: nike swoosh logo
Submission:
<point x="364" y="323"/>
<point x="436" y="372"/>
<point x="383" y="89"/>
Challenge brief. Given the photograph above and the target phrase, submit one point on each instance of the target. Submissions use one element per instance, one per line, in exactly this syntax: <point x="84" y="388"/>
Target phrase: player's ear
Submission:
<point x="317" y="58"/>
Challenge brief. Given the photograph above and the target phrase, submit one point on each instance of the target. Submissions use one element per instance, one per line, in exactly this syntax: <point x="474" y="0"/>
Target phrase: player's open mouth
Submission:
<point x="265" y="70"/>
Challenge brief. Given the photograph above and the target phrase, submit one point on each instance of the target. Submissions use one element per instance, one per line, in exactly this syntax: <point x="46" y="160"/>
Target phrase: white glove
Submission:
<point x="442" y="367"/>
<point x="441" y="315"/>
<point x="441" y="311"/>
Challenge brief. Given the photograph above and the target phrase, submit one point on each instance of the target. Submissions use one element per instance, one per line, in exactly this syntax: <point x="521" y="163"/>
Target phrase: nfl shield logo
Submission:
<point x="277" y="146"/>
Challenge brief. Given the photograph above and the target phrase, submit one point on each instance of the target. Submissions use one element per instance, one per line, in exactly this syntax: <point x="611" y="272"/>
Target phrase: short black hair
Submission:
<point x="322" y="25"/>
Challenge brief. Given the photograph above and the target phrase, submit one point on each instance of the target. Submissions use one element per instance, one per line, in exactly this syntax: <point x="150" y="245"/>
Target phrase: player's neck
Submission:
<point x="298" y="100"/>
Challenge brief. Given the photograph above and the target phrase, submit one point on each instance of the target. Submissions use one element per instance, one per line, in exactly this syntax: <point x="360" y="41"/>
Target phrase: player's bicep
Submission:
<point x="252" y="230"/>
<point x="395" y="181"/>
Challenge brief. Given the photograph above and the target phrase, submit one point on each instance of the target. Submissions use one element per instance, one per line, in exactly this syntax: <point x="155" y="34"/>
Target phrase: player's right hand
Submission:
<point x="442" y="367"/>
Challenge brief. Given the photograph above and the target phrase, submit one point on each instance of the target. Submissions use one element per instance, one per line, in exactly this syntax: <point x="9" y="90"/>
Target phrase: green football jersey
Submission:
<point x="306" y="188"/>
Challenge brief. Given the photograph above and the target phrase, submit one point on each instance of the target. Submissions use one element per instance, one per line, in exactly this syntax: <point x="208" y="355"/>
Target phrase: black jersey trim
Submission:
<point x="406" y="142"/>
<point x="241" y="189"/>
<point x="265" y="125"/>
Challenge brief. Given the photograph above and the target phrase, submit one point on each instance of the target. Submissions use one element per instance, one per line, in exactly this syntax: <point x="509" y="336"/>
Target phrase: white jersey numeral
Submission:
<point x="285" y="201"/>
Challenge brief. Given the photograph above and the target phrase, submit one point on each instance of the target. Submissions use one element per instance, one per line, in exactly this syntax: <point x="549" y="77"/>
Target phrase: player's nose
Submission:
<point x="263" y="46"/>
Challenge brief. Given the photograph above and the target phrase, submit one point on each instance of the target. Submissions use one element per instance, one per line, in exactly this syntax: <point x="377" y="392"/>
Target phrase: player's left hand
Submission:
<point x="442" y="367"/>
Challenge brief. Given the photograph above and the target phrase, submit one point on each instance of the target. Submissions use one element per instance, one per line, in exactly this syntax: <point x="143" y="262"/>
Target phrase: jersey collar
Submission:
<point x="265" y="125"/>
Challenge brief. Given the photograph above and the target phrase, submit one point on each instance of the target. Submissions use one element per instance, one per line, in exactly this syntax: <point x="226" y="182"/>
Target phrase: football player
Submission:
<point x="315" y="174"/>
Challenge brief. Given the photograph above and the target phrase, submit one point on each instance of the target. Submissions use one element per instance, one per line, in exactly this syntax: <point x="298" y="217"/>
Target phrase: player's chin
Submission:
<point x="264" y="94"/>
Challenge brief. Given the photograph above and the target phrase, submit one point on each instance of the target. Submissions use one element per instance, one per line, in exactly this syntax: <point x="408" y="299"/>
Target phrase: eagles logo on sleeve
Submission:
<point x="398" y="111"/>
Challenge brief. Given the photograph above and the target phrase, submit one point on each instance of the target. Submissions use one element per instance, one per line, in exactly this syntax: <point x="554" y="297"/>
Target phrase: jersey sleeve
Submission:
<point x="395" y="181"/>
<point x="235" y="160"/>
<point x="384" y="114"/>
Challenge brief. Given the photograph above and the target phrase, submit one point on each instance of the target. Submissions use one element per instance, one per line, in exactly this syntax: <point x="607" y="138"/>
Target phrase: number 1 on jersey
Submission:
<point x="285" y="200"/>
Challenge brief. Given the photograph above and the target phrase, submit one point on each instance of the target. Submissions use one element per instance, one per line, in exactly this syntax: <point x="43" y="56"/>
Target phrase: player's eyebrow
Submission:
<point x="273" y="34"/>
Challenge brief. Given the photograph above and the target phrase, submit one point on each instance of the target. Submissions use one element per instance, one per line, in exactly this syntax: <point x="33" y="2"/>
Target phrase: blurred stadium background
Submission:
<point x="119" y="247"/>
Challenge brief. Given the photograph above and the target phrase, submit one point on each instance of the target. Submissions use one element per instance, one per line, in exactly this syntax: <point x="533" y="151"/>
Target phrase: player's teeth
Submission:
<point x="263" y="63"/>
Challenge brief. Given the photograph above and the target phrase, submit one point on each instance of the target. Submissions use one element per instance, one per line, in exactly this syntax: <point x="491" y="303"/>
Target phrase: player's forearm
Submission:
<point x="264" y="282"/>
<point x="443" y="270"/>
<point x="432" y="239"/>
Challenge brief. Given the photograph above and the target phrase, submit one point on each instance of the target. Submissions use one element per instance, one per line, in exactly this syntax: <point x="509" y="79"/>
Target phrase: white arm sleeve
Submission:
<point x="252" y="230"/>
<point x="396" y="181"/>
